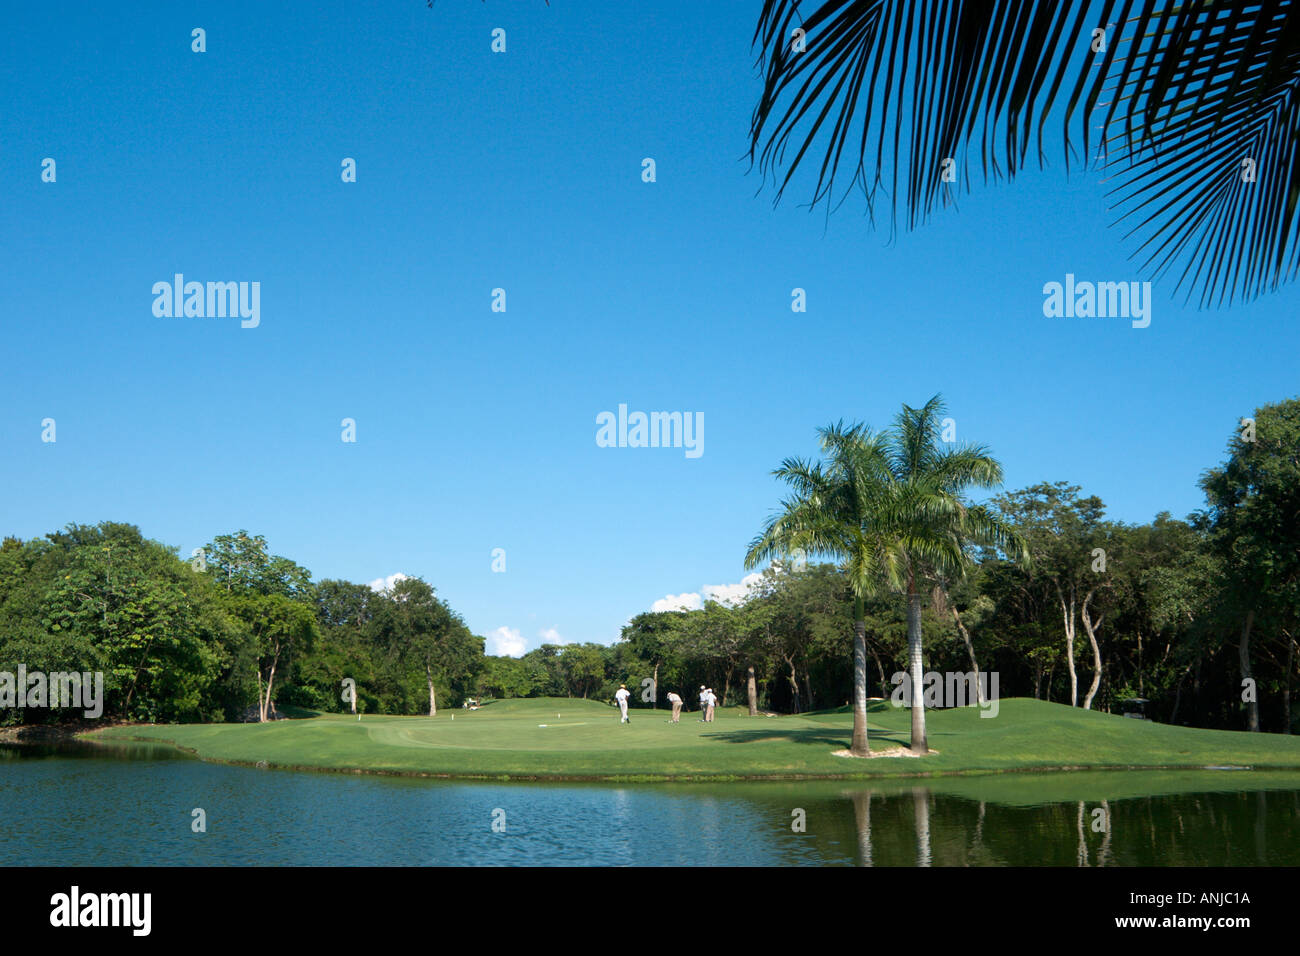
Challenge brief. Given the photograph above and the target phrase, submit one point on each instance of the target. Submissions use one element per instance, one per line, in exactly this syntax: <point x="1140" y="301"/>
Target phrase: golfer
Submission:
<point x="676" y="701"/>
<point x="704" y="703"/>
<point x="713" y="699"/>
<point x="621" y="695"/>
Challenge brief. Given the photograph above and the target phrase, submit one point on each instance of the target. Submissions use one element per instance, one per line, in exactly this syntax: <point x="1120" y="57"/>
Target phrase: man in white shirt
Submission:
<point x="704" y="703"/>
<point x="713" y="699"/>
<point x="621" y="695"/>
<point x="675" y="699"/>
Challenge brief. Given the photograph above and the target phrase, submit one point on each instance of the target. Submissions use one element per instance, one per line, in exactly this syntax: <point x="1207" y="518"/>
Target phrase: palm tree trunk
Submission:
<point x="919" y="745"/>
<point x="862" y="816"/>
<point x="752" y="687"/>
<point x="861" y="746"/>
<point x="921" y="810"/>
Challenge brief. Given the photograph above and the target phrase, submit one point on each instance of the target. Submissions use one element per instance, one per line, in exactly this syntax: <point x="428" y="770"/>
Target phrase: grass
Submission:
<point x="561" y="739"/>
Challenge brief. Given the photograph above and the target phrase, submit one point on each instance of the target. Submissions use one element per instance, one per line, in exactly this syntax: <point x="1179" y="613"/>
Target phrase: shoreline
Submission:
<point x="679" y="778"/>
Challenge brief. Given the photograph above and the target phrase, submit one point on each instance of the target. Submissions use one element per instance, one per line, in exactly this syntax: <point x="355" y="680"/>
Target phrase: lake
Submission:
<point x="81" y="804"/>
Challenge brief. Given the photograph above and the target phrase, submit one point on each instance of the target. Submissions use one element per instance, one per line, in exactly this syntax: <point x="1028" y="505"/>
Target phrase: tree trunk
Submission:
<point x="1141" y="690"/>
<point x="1103" y="854"/>
<point x="970" y="651"/>
<point x="861" y="746"/>
<point x="879" y="667"/>
<point x="1067" y="613"/>
<point x="1243" y="649"/>
<point x="270" y="681"/>
<point x="862" y="816"/>
<point x="1286" y="685"/>
<point x="794" y="686"/>
<point x="1178" y="694"/>
<point x="1092" y="628"/>
<point x="919" y="745"/>
<point x="1081" y="855"/>
<point x="433" y="701"/>
<point x="654" y="689"/>
<point x="921" y="810"/>
<point x="752" y="687"/>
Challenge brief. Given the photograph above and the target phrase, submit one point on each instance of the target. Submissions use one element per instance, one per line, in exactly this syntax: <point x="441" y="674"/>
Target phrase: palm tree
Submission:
<point x="1193" y="108"/>
<point x="891" y="507"/>
<point x="932" y="527"/>
<point x="836" y="511"/>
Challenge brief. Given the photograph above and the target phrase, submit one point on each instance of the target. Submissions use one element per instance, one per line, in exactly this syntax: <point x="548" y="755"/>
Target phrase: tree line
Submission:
<point x="877" y="565"/>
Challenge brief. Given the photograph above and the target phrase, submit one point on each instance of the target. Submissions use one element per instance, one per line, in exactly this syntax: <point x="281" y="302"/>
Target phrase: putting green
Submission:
<point x="551" y="738"/>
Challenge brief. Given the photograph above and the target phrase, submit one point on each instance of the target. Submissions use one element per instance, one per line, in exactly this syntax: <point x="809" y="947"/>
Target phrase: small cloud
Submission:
<point x="678" y="602"/>
<point x="552" y="636"/>
<point x="732" y="593"/>
<point x="506" y="642"/>
<point x="384" y="585"/>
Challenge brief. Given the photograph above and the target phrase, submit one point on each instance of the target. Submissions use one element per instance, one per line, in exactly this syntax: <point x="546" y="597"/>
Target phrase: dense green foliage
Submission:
<point x="1177" y="612"/>
<point x="227" y="635"/>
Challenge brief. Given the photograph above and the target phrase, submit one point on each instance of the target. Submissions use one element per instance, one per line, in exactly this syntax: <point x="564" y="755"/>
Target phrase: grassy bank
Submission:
<point x="560" y="739"/>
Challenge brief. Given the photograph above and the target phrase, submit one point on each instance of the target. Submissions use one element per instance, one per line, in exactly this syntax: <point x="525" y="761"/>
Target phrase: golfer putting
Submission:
<point x="675" y="699"/>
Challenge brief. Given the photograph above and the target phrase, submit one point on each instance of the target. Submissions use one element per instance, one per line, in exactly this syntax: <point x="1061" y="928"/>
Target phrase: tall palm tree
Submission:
<point x="1194" y="110"/>
<point x="837" y="510"/>
<point x="891" y="508"/>
<point x="932" y="527"/>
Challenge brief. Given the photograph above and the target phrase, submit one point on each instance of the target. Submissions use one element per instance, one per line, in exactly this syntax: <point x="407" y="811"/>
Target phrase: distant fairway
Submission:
<point x="583" y="740"/>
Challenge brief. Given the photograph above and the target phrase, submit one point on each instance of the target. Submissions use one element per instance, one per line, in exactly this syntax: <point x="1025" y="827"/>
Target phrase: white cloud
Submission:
<point x="552" y="636"/>
<point x="732" y="593"/>
<point x="678" y="602"/>
<point x="386" y="584"/>
<point x="506" y="642"/>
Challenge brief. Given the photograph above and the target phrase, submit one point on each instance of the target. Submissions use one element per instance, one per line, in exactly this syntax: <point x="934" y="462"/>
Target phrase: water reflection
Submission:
<point x="131" y="805"/>
<point x="924" y="826"/>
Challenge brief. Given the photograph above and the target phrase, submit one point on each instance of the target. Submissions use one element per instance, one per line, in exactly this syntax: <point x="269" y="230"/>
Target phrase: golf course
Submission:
<point x="567" y="739"/>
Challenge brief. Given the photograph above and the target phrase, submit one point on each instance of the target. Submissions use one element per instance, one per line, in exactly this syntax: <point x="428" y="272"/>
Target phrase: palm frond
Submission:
<point x="1207" y="119"/>
<point x="903" y="85"/>
<point x="1201" y="130"/>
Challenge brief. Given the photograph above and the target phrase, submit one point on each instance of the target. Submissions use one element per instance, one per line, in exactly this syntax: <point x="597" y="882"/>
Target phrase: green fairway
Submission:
<point x="551" y="738"/>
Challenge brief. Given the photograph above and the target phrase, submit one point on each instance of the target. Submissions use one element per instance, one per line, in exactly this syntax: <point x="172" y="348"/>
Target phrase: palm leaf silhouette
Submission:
<point x="1196" y="103"/>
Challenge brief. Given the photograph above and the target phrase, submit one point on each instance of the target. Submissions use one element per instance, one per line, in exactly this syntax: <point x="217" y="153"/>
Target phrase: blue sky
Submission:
<point x="476" y="429"/>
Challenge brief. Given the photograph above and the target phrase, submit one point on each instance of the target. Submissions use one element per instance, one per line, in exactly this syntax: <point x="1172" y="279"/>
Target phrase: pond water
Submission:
<point x="132" y="804"/>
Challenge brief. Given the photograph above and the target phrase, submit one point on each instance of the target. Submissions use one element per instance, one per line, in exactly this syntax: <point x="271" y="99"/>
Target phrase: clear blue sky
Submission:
<point x="476" y="430"/>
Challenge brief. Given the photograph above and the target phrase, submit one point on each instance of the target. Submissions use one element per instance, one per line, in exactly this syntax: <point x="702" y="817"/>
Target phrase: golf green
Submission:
<point x="565" y="739"/>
